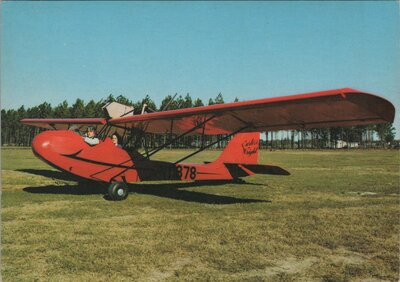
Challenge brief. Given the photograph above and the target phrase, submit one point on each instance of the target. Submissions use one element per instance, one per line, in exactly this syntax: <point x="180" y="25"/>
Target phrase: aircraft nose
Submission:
<point x="41" y="142"/>
<point x="61" y="142"/>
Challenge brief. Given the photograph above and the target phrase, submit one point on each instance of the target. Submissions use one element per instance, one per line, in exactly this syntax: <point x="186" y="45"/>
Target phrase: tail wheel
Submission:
<point x="118" y="191"/>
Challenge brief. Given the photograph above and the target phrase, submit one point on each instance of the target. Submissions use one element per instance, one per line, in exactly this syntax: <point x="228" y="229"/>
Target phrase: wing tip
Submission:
<point x="383" y="107"/>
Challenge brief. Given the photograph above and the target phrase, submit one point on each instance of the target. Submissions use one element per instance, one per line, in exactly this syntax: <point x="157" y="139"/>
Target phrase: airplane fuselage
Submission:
<point x="105" y="162"/>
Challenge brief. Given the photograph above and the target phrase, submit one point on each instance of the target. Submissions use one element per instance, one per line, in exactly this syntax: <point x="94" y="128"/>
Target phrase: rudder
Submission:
<point x="242" y="149"/>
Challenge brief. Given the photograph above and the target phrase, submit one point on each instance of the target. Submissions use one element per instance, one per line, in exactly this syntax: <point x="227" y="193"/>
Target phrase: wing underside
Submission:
<point x="342" y="107"/>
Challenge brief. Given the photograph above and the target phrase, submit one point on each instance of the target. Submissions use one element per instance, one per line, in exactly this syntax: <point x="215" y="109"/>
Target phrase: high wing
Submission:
<point x="65" y="123"/>
<point x="340" y="107"/>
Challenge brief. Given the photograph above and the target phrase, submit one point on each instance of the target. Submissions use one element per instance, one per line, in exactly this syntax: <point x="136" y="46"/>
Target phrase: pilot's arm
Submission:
<point x="91" y="141"/>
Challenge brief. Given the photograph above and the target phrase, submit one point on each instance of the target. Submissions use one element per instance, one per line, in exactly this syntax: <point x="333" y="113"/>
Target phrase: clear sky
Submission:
<point x="55" y="51"/>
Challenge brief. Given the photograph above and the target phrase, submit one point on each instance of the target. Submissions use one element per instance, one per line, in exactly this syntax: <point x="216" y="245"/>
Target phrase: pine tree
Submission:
<point x="62" y="110"/>
<point x="78" y="109"/>
<point x="219" y="99"/>
<point x="386" y="133"/>
<point x="187" y="103"/>
<point x="168" y="104"/>
<point x="198" y="103"/>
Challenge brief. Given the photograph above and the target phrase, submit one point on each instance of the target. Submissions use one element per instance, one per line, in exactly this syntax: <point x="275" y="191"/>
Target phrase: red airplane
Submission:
<point x="65" y="149"/>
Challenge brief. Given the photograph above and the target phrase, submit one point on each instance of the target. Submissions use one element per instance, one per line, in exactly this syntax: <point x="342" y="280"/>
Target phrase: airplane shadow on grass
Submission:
<point x="55" y="174"/>
<point x="165" y="190"/>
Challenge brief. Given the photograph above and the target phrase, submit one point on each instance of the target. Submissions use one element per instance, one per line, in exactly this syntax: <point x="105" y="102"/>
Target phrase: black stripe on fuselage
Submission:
<point x="76" y="157"/>
<point x="146" y="169"/>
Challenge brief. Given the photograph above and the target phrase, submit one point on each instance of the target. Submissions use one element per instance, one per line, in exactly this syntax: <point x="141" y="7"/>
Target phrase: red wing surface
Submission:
<point x="65" y="123"/>
<point x="341" y="107"/>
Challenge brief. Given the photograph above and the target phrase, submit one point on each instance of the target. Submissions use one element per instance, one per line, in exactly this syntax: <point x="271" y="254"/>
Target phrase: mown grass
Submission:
<point x="336" y="218"/>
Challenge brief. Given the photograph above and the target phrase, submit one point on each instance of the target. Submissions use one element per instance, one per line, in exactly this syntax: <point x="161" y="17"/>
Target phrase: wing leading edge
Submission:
<point x="64" y="123"/>
<point x="341" y="107"/>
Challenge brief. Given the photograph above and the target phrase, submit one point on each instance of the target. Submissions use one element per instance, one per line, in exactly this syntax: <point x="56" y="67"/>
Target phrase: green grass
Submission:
<point x="336" y="218"/>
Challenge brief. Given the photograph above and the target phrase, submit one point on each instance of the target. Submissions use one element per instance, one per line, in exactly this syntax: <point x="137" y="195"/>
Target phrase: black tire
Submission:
<point x="118" y="191"/>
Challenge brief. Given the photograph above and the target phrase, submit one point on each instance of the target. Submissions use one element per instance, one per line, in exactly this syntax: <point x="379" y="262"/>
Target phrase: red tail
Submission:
<point x="242" y="149"/>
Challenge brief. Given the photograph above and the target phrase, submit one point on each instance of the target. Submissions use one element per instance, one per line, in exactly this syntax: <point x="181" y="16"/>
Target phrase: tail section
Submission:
<point x="240" y="157"/>
<point x="242" y="149"/>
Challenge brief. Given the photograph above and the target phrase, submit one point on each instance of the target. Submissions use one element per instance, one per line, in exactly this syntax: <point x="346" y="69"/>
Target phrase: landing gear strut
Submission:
<point x="118" y="191"/>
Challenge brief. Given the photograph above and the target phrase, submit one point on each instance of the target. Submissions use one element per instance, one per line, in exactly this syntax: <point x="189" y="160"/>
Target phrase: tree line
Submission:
<point x="16" y="134"/>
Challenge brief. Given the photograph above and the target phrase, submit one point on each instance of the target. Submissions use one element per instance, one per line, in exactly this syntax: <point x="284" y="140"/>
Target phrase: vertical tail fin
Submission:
<point x="242" y="149"/>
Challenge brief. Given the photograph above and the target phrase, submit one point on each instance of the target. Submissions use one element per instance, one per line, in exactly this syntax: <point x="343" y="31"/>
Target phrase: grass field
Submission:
<point x="336" y="218"/>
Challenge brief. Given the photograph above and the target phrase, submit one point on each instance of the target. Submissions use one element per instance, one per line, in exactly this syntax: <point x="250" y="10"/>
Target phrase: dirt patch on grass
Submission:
<point x="342" y="255"/>
<point x="367" y="193"/>
<point x="291" y="266"/>
<point x="348" y="259"/>
<point x="159" y="275"/>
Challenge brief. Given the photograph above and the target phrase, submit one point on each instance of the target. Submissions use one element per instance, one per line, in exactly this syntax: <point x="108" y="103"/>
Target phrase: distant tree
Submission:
<point x="358" y="132"/>
<point x="219" y="99"/>
<point x="45" y="110"/>
<point x="370" y="128"/>
<point x="20" y="129"/>
<point x="7" y="126"/>
<point x="123" y="100"/>
<point x="168" y="104"/>
<point x="21" y="112"/>
<point x="180" y="102"/>
<point x="319" y="137"/>
<point x="211" y="102"/>
<point x="236" y="99"/>
<point x="4" y="127"/>
<point x="336" y="134"/>
<point x="292" y="135"/>
<point x="90" y="109"/>
<point x="110" y="98"/>
<point x="353" y="133"/>
<point x="386" y="132"/>
<point x="62" y="110"/>
<point x="304" y="137"/>
<point x="187" y="103"/>
<point x="391" y="133"/>
<point x="98" y="108"/>
<point x="198" y="103"/>
<point x="151" y="106"/>
<point x="78" y="109"/>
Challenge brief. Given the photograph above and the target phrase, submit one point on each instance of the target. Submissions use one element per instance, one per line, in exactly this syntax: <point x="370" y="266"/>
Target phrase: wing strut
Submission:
<point x="209" y="145"/>
<point x="172" y="140"/>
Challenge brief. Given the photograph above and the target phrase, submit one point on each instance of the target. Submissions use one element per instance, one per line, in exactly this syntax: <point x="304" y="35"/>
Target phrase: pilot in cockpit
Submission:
<point x="115" y="139"/>
<point x="90" y="136"/>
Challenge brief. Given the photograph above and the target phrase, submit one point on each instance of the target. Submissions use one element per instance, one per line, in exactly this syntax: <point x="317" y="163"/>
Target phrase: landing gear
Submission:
<point x="118" y="191"/>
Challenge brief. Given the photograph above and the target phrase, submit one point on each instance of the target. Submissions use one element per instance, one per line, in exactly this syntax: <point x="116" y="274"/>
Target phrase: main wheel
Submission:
<point x="118" y="191"/>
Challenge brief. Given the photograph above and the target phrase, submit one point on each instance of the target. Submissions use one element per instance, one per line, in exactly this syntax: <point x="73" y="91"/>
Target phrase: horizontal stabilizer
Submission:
<point x="242" y="170"/>
<point x="266" y="169"/>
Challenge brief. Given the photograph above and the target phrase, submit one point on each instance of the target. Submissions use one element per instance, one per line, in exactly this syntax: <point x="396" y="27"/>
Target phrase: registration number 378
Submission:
<point x="186" y="172"/>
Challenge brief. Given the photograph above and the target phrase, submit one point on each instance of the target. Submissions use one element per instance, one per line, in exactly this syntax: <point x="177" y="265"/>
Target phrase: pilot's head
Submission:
<point x="90" y="131"/>
<point x="115" y="138"/>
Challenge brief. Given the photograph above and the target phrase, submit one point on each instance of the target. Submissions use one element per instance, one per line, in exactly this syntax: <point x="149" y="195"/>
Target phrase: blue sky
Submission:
<point x="55" y="51"/>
